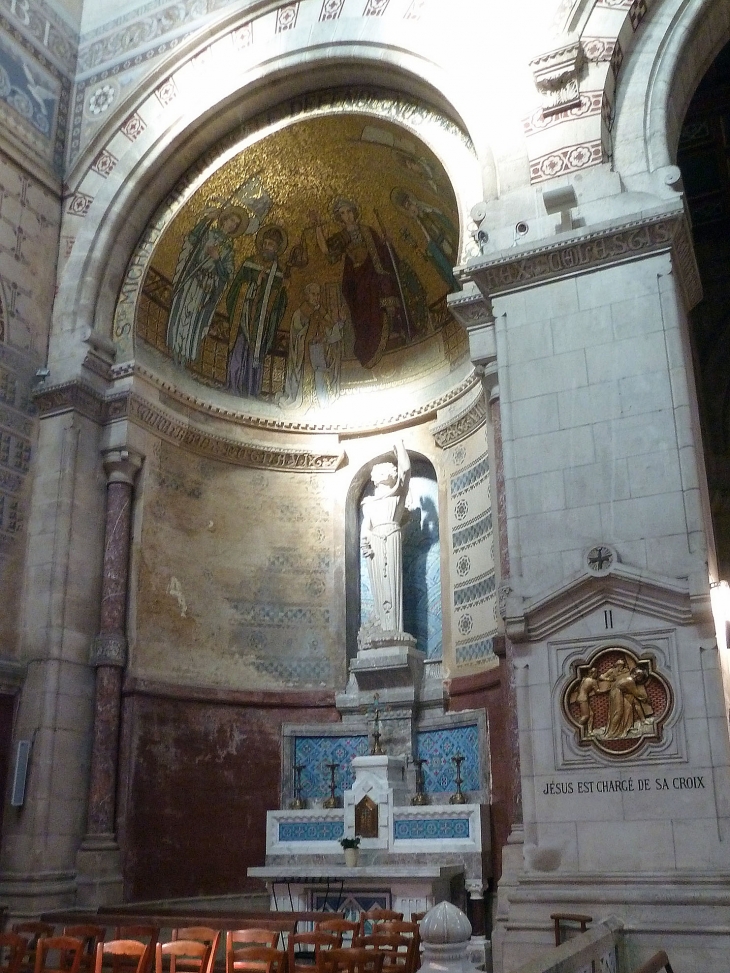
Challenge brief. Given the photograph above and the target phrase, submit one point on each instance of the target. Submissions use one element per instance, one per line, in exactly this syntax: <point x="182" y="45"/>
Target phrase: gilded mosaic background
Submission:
<point x="314" y="264"/>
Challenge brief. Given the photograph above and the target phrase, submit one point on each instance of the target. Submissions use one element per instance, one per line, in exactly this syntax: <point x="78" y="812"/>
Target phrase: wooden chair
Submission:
<point x="186" y="955"/>
<point x="345" y="929"/>
<point x="90" y="936"/>
<point x="410" y="930"/>
<point x="261" y="959"/>
<point x="126" y="954"/>
<point x="399" y="952"/>
<point x="33" y="931"/>
<point x="12" y="951"/>
<point x="659" y="961"/>
<point x="69" y="949"/>
<point x="373" y="917"/>
<point x="248" y="939"/>
<point x="305" y="961"/>
<point x="199" y="934"/>
<point x="352" y="960"/>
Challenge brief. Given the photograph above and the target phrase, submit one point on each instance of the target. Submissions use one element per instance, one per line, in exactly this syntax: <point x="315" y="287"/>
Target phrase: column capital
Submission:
<point x="108" y="649"/>
<point x="121" y="465"/>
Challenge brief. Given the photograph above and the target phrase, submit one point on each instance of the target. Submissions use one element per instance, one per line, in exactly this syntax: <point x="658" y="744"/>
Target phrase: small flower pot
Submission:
<point x="352" y="857"/>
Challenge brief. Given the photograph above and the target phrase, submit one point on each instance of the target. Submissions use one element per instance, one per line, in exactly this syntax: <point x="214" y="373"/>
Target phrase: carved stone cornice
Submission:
<point x="78" y="396"/>
<point x="474" y="313"/>
<point x="557" y="76"/>
<point x="678" y="601"/>
<point x="458" y="427"/>
<point x="661" y="232"/>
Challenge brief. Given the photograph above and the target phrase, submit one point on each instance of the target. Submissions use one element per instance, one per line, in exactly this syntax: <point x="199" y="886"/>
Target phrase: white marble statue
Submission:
<point x="383" y="515"/>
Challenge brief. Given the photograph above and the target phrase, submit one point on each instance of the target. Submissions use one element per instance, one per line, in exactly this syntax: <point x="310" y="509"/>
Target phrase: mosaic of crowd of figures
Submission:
<point x="315" y="262"/>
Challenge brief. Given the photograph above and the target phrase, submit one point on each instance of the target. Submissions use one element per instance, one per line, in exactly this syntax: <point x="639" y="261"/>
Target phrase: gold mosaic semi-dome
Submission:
<point x="309" y="272"/>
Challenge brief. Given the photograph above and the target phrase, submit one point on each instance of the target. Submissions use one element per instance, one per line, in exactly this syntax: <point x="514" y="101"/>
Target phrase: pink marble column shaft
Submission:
<point x="109" y="649"/>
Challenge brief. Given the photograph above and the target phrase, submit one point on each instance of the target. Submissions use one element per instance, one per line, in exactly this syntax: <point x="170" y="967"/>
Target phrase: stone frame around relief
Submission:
<point x="565" y="654"/>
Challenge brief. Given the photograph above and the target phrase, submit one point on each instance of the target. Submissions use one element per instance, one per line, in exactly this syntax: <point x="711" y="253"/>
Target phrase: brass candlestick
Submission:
<point x="331" y="800"/>
<point x="298" y="804"/>
<point x="419" y="798"/>
<point x="459" y="797"/>
<point x="376" y="750"/>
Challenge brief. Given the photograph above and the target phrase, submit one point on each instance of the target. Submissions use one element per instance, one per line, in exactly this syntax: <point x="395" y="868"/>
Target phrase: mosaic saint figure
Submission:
<point x="438" y="230"/>
<point x="204" y="268"/>
<point x="308" y="320"/>
<point x="370" y="283"/>
<point x="264" y="303"/>
<point x="383" y="515"/>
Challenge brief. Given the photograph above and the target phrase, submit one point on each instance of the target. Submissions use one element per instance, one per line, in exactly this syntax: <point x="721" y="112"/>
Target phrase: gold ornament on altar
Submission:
<point x="617" y="701"/>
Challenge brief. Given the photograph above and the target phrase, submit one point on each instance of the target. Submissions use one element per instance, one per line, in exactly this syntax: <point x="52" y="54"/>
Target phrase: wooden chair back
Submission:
<point x="90" y="936"/>
<point x="200" y="934"/>
<point x="374" y="916"/>
<point x="304" y="961"/>
<point x="150" y="933"/>
<point x="32" y="931"/>
<point x="345" y="929"/>
<point x="256" y="959"/>
<point x="352" y="960"/>
<point x="126" y="954"/>
<point x="69" y="949"/>
<point x="187" y="955"/>
<point x="12" y="951"/>
<point x="399" y="952"/>
<point x="659" y="961"/>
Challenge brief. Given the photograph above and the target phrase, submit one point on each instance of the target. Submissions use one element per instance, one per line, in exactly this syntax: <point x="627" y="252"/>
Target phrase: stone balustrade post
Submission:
<point x="98" y="863"/>
<point x="446" y="938"/>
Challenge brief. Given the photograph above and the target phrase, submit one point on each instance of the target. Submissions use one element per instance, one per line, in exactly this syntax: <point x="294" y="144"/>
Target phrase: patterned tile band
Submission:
<point x="474" y="592"/>
<point x="430" y="829"/>
<point x="314" y="753"/>
<point x="311" y="830"/>
<point x="473" y="532"/>
<point x="470" y="477"/>
<point x="438" y="747"/>
<point x="475" y="651"/>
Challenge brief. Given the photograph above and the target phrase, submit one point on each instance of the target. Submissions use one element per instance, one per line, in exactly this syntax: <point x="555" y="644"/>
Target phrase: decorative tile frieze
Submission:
<point x="557" y="76"/>
<point x="597" y="49"/>
<point x="313" y="753"/>
<point x="474" y="592"/>
<point x="375" y="8"/>
<point x="311" y="830"/>
<point x="468" y="653"/>
<point x="588" y="104"/>
<point x="438" y="747"/>
<point x="166" y="93"/>
<point x="662" y="233"/>
<point x="79" y="204"/>
<point x="462" y="425"/>
<point x="104" y="163"/>
<point x="430" y="829"/>
<point x="331" y="9"/>
<point x="474" y="474"/>
<point x="572" y="158"/>
<point x="286" y="17"/>
<point x="473" y="532"/>
<point x="415" y="10"/>
<point x="133" y="126"/>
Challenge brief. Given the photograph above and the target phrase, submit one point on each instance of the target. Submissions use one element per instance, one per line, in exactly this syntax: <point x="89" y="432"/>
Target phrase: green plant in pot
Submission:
<point x="351" y="847"/>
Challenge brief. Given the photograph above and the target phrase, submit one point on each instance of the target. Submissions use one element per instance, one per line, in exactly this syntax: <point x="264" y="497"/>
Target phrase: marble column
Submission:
<point x="98" y="861"/>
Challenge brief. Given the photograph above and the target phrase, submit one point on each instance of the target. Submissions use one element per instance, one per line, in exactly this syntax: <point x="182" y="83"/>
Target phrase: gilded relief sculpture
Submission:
<point x="617" y="701"/>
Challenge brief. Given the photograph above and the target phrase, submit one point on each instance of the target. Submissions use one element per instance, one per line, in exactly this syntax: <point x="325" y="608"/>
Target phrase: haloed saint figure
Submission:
<point x="204" y="268"/>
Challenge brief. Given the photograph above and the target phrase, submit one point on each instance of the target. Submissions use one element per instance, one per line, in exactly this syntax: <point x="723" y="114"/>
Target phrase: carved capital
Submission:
<point x="557" y="76"/>
<point x="108" y="649"/>
<point x="474" y="313"/>
<point x="122" y="465"/>
<point x="458" y="427"/>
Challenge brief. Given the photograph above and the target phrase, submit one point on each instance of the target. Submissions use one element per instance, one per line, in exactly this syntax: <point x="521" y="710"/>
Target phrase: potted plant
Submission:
<point x="351" y="848"/>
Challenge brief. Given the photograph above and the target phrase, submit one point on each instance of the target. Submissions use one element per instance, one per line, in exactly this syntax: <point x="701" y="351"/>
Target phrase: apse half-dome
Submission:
<point x="308" y="274"/>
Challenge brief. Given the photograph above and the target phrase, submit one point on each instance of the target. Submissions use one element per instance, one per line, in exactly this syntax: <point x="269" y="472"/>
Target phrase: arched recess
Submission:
<point x="677" y="43"/>
<point x="425" y="519"/>
<point x="148" y="145"/>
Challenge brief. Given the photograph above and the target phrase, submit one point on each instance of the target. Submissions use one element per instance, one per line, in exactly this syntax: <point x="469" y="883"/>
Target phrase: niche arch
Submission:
<point x="422" y="591"/>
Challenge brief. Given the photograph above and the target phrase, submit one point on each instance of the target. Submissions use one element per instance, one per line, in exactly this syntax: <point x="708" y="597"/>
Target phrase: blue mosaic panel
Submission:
<point x="474" y="474"/>
<point x="474" y="592"/>
<point x="311" y="830"/>
<point x="430" y="829"/>
<point x="315" y="752"/>
<point x="438" y="747"/>
<point x="473" y="532"/>
<point x="475" y="651"/>
<point x="27" y="88"/>
<point x="421" y="567"/>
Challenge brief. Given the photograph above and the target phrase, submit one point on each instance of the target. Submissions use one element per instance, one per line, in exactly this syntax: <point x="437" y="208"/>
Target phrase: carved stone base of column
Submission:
<point x="99" y="871"/>
<point x="28" y="894"/>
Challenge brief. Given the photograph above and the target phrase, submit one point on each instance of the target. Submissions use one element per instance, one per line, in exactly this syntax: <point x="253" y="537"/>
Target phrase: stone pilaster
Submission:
<point x="98" y="860"/>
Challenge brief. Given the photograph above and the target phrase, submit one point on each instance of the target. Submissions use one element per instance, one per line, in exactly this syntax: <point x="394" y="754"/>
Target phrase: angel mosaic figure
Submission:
<point x="204" y="268"/>
<point x="438" y="230"/>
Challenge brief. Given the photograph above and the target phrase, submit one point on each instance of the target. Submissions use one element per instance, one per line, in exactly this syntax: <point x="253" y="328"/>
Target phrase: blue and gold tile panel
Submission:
<point x="311" y="830"/>
<point x="438" y="747"/>
<point x="430" y="829"/>
<point x="314" y="753"/>
<point x="474" y="474"/>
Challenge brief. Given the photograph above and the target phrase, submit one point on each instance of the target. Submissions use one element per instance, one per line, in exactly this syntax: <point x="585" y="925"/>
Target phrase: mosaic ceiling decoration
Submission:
<point x="310" y="268"/>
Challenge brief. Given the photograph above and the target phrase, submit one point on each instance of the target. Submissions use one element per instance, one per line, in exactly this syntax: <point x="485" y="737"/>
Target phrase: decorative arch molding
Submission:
<point x="659" y="78"/>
